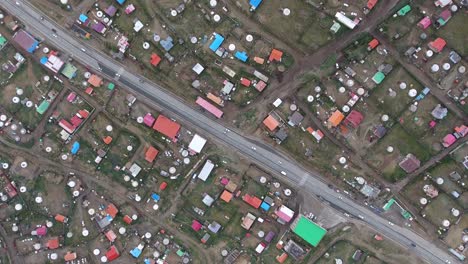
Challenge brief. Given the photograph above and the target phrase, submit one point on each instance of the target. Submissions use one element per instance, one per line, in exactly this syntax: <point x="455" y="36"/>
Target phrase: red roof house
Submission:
<point x="246" y="82"/>
<point x="437" y="45"/>
<point x="127" y="219"/>
<point x="83" y="113"/>
<point x="371" y="4"/>
<point x="155" y="59"/>
<point x="354" y="119"/>
<point x="112" y="210"/>
<point x="53" y="243"/>
<point x="167" y="127"/>
<point x="252" y="200"/>
<point x="89" y="90"/>
<point x="372" y="44"/>
<point x="275" y="55"/>
<point x="107" y="140"/>
<point x="151" y="154"/>
<point x="112" y="253"/>
<point x="67" y="126"/>
<point x="76" y="121"/>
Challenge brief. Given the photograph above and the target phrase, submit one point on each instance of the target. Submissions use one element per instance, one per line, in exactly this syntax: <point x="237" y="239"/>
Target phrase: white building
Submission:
<point x="206" y="170"/>
<point x="197" y="144"/>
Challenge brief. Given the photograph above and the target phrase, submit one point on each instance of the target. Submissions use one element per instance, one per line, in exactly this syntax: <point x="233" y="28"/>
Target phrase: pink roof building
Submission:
<point x="129" y="9"/>
<point x="224" y="181"/>
<point x="425" y="22"/>
<point x="41" y="231"/>
<point x="196" y="225"/>
<point x="209" y="107"/>
<point x="448" y="140"/>
<point x="149" y="120"/>
<point x="284" y="213"/>
<point x="260" y="86"/>
<point x="71" y="97"/>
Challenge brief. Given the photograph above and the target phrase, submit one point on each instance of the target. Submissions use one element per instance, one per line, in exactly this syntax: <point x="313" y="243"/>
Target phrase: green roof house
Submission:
<point x="308" y="230"/>
<point x="3" y="41"/>
<point x="378" y="77"/>
<point x="42" y="108"/>
<point x="111" y="86"/>
<point x="404" y="10"/>
<point x="69" y="71"/>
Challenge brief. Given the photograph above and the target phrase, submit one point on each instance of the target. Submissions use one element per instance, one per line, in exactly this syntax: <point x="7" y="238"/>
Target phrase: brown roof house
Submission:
<point x="410" y="163"/>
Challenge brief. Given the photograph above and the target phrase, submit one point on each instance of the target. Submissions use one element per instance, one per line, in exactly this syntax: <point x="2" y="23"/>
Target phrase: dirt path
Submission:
<point x="10" y="247"/>
<point x="422" y="78"/>
<point x="291" y="79"/>
<point x="433" y="161"/>
<point x="90" y="178"/>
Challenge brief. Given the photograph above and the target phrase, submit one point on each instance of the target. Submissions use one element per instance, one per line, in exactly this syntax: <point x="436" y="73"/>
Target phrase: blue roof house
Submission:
<point x="155" y="197"/>
<point x="242" y="56"/>
<point x="218" y="40"/>
<point x="167" y="43"/>
<point x="136" y="252"/>
<point x="265" y="206"/>
<point x="83" y="18"/>
<point x="255" y="3"/>
<point x="75" y="148"/>
<point x="121" y="2"/>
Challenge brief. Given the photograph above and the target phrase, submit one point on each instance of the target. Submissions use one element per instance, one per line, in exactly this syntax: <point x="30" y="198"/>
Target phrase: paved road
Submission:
<point x="265" y="157"/>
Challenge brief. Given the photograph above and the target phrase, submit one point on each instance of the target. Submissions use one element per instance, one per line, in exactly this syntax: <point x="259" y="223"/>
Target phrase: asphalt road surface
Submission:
<point x="256" y="151"/>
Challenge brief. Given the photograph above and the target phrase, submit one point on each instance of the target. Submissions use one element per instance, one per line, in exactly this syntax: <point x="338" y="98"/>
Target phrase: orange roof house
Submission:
<point x="112" y="210"/>
<point x="167" y="127"/>
<point x="70" y="256"/>
<point x="275" y="55"/>
<point x="151" y="154"/>
<point x="281" y="258"/>
<point x="155" y="59"/>
<point x="107" y="140"/>
<point x="226" y="196"/>
<point x="336" y="118"/>
<point x="60" y="218"/>
<point x="437" y="45"/>
<point x="372" y="44"/>
<point x="53" y="243"/>
<point x="215" y="99"/>
<point x="271" y="123"/>
<point x="259" y="60"/>
<point x="95" y="80"/>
